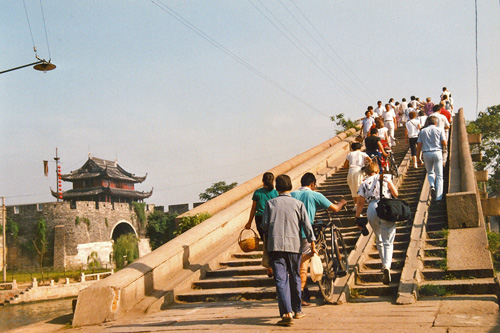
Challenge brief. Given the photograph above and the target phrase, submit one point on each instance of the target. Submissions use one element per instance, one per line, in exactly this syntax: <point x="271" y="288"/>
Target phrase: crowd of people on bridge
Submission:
<point x="284" y="218"/>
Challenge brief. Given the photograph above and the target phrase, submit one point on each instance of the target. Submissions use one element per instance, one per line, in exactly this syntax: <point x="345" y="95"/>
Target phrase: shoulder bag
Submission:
<point x="392" y="210"/>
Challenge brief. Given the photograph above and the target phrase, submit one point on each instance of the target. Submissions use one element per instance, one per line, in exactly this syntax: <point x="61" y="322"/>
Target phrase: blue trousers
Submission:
<point x="286" y="270"/>
<point x="434" y="165"/>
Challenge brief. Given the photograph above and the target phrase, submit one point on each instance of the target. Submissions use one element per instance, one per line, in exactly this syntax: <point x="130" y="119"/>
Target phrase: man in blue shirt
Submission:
<point x="431" y="142"/>
<point x="312" y="201"/>
<point x="284" y="218"/>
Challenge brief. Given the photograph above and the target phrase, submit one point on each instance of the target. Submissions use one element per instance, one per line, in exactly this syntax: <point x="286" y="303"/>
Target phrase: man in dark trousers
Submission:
<point x="282" y="220"/>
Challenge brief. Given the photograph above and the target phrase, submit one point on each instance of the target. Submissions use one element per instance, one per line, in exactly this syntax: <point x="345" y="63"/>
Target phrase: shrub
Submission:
<point x="125" y="249"/>
<point x="188" y="222"/>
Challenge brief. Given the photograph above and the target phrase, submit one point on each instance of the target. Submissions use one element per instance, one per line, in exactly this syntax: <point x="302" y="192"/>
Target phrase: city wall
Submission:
<point x="74" y="230"/>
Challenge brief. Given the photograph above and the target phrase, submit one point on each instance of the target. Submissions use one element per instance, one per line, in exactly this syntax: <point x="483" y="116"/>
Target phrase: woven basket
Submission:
<point x="249" y="244"/>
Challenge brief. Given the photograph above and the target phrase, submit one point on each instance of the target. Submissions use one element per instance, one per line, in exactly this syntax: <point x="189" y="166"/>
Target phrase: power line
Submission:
<point x="362" y="89"/>
<point x="45" y="28"/>
<point x="331" y="48"/>
<point x="327" y="72"/>
<point x="219" y="46"/>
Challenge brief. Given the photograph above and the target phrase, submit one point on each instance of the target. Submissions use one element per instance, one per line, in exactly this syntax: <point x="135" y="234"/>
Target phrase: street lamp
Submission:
<point x="40" y="65"/>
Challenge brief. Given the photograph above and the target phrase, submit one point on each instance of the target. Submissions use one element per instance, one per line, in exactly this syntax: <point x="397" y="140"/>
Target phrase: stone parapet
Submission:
<point x="462" y="200"/>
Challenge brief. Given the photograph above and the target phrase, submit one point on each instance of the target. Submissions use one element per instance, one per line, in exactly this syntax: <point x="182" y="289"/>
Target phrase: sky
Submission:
<point x="195" y="92"/>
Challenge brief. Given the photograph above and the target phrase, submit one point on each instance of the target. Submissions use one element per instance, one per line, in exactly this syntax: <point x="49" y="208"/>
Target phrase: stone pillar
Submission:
<point x="59" y="247"/>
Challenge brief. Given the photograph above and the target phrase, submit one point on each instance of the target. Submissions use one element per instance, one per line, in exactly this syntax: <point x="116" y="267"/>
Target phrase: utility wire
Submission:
<point x="200" y="33"/>
<point x="29" y="26"/>
<point x="331" y="48"/>
<point x="327" y="72"/>
<point x="362" y="89"/>
<point x="45" y="28"/>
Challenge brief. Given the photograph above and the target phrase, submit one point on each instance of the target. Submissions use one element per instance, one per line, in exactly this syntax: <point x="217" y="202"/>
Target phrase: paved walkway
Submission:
<point x="450" y="314"/>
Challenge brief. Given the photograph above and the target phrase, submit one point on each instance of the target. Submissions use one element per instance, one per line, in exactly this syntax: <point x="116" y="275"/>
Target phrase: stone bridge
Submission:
<point x="424" y="256"/>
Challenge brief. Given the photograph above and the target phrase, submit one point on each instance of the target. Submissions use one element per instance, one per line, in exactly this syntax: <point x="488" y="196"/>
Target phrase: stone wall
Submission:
<point x="70" y="227"/>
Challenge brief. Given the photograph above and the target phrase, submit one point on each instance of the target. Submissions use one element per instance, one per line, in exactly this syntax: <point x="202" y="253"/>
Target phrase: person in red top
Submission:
<point x="445" y="112"/>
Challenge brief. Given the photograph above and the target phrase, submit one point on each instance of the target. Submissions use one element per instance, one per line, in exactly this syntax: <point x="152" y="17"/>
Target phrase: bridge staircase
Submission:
<point x="243" y="278"/>
<point x="437" y="278"/>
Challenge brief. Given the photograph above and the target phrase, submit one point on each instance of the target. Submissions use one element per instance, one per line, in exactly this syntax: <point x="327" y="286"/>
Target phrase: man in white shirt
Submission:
<point x="390" y="122"/>
<point x="378" y="110"/>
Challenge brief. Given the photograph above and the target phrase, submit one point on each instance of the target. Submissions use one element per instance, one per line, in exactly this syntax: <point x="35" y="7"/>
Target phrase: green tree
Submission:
<point x="93" y="261"/>
<point x="40" y="242"/>
<point x="12" y="228"/>
<point x="189" y="222"/>
<point x="216" y="189"/>
<point x="488" y="124"/>
<point x="160" y="228"/>
<point x="125" y="250"/>
<point x="344" y="124"/>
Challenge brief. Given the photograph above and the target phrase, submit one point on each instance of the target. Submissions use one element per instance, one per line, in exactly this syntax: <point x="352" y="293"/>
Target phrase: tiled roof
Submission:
<point x="99" y="168"/>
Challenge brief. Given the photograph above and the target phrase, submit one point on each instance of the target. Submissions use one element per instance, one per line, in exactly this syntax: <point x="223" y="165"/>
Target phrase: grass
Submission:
<point x="433" y="290"/>
<point x="356" y="293"/>
<point x="443" y="264"/>
<point x="22" y="277"/>
<point x="443" y="233"/>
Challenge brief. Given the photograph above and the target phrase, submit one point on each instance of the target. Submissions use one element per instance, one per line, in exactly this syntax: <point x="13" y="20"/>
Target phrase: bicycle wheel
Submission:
<point x="394" y="167"/>
<point x="326" y="282"/>
<point x="340" y="252"/>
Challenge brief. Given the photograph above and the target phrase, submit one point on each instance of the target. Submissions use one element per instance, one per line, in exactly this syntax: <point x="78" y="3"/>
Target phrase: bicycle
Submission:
<point x="389" y="162"/>
<point x="333" y="253"/>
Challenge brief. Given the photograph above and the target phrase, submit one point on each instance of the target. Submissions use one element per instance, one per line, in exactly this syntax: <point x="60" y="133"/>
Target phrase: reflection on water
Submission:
<point x="15" y="316"/>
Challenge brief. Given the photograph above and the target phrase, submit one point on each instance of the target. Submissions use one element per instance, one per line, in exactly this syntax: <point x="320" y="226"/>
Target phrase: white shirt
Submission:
<point x="378" y="111"/>
<point x="442" y="120"/>
<point x="356" y="159"/>
<point x="382" y="131"/>
<point x="422" y="120"/>
<point x="367" y="124"/>
<point x="412" y="128"/>
<point x="388" y="116"/>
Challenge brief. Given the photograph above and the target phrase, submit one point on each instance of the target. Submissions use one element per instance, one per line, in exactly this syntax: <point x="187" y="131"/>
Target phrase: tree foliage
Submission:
<point x="488" y="124"/>
<point x="40" y="241"/>
<point x="93" y="261"/>
<point x="344" y="124"/>
<point x="125" y="250"/>
<point x="160" y="228"/>
<point x="216" y="189"/>
<point x="189" y="222"/>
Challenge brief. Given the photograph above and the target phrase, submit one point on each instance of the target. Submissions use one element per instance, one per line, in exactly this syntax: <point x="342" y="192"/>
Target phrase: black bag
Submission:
<point x="392" y="210"/>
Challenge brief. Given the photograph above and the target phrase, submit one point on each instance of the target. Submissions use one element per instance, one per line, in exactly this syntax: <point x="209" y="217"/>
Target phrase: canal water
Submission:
<point x="16" y="316"/>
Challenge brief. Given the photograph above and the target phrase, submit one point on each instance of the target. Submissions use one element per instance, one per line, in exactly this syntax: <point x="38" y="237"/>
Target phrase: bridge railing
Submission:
<point x="151" y="282"/>
<point x="462" y="200"/>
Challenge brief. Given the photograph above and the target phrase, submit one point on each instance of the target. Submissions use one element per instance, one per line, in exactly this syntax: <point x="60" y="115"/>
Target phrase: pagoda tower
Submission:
<point x="102" y="181"/>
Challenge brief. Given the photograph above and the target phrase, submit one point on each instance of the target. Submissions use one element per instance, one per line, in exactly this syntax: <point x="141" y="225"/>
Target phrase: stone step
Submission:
<point x="480" y="286"/>
<point x="240" y="271"/>
<point x="374" y="289"/>
<point x="396" y="254"/>
<point x="376" y="265"/>
<point x="235" y="282"/>
<point x="434" y="262"/>
<point x="438" y="274"/>
<point x="435" y="252"/>
<point x="436" y="242"/>
<point x="248" y="255"/>
<point x="241" y="262"/>
<point x="375" y="276"/>
<point x="241" y="294"/>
